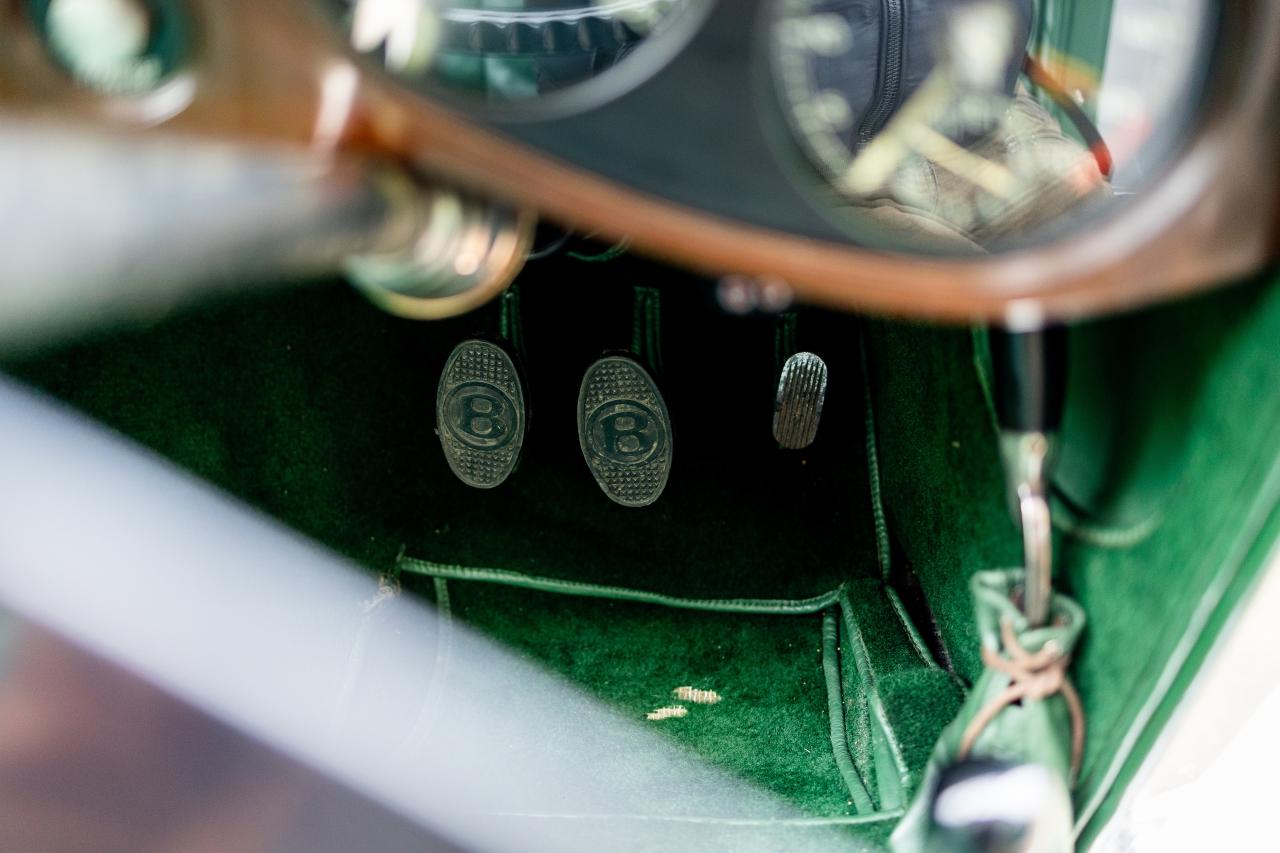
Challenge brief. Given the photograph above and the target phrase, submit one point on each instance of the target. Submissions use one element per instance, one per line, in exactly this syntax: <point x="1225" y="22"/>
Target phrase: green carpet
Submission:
<point x="319" y="410"/>
<point x="770" y="726"/>
<point x="800" y="713"/>
<point x="1168" y="474"/>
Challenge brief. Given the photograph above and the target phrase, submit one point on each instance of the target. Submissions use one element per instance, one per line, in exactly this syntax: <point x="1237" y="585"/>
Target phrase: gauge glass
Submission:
<point x="505" y="51"/>
<point x="117" y="47"/>
<point x="983" y="125"/>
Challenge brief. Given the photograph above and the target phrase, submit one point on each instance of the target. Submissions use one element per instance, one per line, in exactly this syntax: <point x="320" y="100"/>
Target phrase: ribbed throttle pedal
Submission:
<point x="797" y="409"/>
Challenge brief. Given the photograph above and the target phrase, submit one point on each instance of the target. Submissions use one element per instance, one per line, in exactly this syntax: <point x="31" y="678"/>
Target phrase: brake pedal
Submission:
<point x="624" y="430"/>
<point x="797" y="408"/>
<point x="480" y="413"/>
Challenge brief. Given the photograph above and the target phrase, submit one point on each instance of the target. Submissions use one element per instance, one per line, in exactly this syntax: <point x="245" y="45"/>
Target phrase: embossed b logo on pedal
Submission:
<point x="479" y="415"/>
<point x="626" y="432"/>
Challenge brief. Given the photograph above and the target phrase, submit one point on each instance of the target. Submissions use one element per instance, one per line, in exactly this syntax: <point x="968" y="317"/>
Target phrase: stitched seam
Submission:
<point x="835" y="717"/>
<point x="883" y="552"/>
<point x="862" y="658"/>
<point x="589" y="590"/>
<point x="917" y="642"/>
<point x="873" y="466"/>
<point x="978" y="342"/>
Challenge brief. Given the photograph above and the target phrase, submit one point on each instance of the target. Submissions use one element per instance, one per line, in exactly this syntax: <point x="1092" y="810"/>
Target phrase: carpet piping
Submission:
<point x="507" y="577"/>
<point x="883" y="552"/>
<point x="910" y="629"/>
<point x="862" y="803"/>
<point x="873" y="467"/>
<point x="862" y="661"/>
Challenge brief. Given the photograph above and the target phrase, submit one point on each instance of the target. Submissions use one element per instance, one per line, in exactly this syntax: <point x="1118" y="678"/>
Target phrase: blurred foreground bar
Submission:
<point x="100" y="230"/>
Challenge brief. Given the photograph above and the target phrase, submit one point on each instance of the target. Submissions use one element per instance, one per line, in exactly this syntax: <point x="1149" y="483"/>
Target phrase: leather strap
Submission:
<point x="1032" y="676"/>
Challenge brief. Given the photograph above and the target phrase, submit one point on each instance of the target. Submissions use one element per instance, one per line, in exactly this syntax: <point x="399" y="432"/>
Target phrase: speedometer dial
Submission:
<point x="976" y="125"/>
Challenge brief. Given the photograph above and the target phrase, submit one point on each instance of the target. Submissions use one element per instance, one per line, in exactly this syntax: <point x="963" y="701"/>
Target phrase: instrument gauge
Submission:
<point x="981" y="125"/>
<point x="507" y="51"/>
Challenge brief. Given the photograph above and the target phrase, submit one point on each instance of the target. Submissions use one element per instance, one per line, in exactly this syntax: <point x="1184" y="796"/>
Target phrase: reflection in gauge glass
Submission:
<point x="116" y="47"/>
<point x="981" y="125"/>
<point x="504" y="50"/>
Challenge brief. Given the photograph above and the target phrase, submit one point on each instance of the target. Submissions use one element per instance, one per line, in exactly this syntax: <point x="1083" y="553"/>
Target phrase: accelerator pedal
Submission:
<point x="797" y="408"/>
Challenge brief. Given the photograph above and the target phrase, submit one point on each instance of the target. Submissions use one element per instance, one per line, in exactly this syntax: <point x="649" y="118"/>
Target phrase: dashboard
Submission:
<point x="1013" y="161"/>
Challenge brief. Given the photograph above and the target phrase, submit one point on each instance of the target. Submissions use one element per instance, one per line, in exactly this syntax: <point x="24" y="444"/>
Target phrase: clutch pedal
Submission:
<point x="480" y="413"/>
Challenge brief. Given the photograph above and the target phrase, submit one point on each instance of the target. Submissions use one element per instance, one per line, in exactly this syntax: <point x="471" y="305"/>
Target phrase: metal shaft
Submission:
<point x="1030" y="385"/>
<point x="1026" y="457"/>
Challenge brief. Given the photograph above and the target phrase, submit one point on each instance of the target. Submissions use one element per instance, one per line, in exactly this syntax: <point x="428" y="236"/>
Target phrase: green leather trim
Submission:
<point x="1033" y="731"/>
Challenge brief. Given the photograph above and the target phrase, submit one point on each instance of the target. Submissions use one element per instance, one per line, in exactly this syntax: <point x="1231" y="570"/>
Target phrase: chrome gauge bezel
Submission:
<point x="647" y="59"/>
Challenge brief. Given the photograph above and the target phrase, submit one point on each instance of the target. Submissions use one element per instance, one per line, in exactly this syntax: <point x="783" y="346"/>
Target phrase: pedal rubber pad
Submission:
<point x="802" y="389"/>
<point x="480" y="413"/>
<point x="624" y="430"/>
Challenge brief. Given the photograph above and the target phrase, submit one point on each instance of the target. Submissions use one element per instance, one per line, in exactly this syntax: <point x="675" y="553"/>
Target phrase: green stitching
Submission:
<point x="784" y="339"/>
<point x="835" y="715"/>
<point x="862" y="660"/>
<point x="863" y="803"/>
<point x="590" y="590"/>
<point x="646" y="328"/>
<point x="873" y="467"/>
<point x="913" y="634"/>
<point x="883" y="551"/>
<point x="510" y="326"/>
<point x="980" y="346"/>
